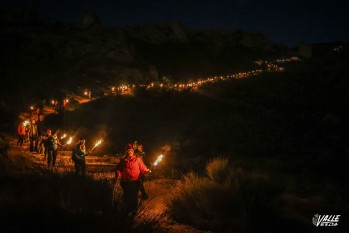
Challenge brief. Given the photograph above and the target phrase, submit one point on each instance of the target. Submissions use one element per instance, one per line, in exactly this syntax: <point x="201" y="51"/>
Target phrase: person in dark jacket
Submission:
<point x="52" y="143"/>
<point x="78" y="157"/>
<point x="128" y="171"/>
<point x="45" y="141"/>
<point x="33" y="136"/>
<point x="141" y="154"/>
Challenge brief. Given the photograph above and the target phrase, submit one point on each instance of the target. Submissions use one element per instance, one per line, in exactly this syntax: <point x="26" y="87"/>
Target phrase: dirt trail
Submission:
<point x="102" y="167"/>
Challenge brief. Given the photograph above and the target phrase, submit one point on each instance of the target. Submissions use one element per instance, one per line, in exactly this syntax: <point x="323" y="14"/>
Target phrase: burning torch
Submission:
<point x="69" y="141"/>
<point x="96" y="144"/>
<point x="157" y="161"/>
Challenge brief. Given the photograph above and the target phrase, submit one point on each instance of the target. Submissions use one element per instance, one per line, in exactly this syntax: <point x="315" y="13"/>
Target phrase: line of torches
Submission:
<point x="70" y="140"/>
<point x="268" y="66"/>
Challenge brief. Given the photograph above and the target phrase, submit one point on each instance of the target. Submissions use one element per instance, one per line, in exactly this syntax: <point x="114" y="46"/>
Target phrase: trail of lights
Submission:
<point x="265" y="66"/>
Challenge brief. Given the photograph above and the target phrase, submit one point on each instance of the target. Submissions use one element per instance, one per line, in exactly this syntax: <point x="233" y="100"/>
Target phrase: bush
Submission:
<point x="226" y="199"/>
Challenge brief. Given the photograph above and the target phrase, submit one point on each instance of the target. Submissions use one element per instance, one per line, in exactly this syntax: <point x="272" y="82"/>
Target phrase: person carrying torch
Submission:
<point x="21" y="133"/>
<point x="128" y="171"/>
<point x="53" y="143"/>
<point x="78" y="157"/>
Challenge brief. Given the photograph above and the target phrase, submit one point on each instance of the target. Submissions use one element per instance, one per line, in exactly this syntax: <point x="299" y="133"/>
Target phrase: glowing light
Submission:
<point x="158" y="160"/>
<point x="70" y="140"/>
<point x="97" y="144"/>
<point x="64" y="136"/>
<point x="25" y="123"/>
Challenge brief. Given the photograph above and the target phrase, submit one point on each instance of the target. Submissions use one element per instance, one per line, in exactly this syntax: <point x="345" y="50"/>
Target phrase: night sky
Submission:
<point x="287" y="22"/>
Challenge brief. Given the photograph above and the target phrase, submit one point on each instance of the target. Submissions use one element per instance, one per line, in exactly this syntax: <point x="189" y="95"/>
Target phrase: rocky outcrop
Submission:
<point x="158" y="34"/>
<point x="89" y="21"/>
<point x="77" y="54"/>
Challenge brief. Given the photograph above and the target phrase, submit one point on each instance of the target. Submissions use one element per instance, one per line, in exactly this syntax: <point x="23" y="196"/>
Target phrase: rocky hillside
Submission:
<point x="43" y="57"/>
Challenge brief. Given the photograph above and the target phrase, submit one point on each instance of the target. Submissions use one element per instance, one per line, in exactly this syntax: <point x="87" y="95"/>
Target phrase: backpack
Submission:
<point x="75" y="156"/>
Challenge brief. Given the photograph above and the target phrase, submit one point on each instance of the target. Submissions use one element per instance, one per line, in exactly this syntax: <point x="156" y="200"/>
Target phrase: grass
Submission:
<point x="238" y="201"/>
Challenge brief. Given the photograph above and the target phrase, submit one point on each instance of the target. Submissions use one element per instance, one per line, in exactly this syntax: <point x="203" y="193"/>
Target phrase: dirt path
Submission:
<point x="102" y="167"/>
<point x="158" y="189"/>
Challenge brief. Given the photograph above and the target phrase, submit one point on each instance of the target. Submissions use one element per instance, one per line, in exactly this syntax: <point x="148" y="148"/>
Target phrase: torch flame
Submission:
<point x="70" y="140"/>
<point x="25" y="123"/>
<point x="97" y="144"/>
<point x="64" y="136"/>
<point x="158" y="160"/>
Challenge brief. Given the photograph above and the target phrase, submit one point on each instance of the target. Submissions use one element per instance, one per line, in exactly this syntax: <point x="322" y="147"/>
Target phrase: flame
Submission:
<point x="64" y="136"/>
<point x="25" y="123"/>
<point x="97" y="144"/>
<point x="70" y="140"/>
<point x="158" y="160"/>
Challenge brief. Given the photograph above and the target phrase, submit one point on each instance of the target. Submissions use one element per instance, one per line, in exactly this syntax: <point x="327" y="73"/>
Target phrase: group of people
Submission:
<point x="46" y="144"/>
<point x="28" y="132"/>
<point x="131" y="169"/>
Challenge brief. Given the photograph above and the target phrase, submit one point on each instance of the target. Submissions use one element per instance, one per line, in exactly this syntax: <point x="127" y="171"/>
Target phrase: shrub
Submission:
<point x="218" y="169"/>
<point x="226" y="199"/>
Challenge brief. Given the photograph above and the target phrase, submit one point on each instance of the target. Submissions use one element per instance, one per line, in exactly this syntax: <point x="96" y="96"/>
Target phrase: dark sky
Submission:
<point x="287" y="22"/>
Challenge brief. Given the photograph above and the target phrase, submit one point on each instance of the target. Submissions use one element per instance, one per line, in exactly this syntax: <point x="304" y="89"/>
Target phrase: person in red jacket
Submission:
<point x="129" y="170"/>
<point x="21" y="134"/>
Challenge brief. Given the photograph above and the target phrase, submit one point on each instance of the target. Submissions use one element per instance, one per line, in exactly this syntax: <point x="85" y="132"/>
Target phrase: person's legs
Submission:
<point x="36" y="146"/>
<point x="77" y="167"/>
<point x="134" y="190"/>
<point x="49" y="155"/>
<point x="31" y="146"/>
<point x="142" y="189"/>
<point x="83" y="167"/>
<point x="45" y="152"/>
<point x="54" y="156"/>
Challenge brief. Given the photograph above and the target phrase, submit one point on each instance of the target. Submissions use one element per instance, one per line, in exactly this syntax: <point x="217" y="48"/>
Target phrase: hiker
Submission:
<point x="33" y="136"/>
<point x="44" y="141"/>
<point x="78" y="157"/>
<point x="129" y="170"/>
<point x="21" y="134"/>
<point x="41" y="145"/>
<point x="38" y="112"/>
<point x="27" y="131"/>
<point x="141" y="154"/>
<point x="52" y="143"/>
